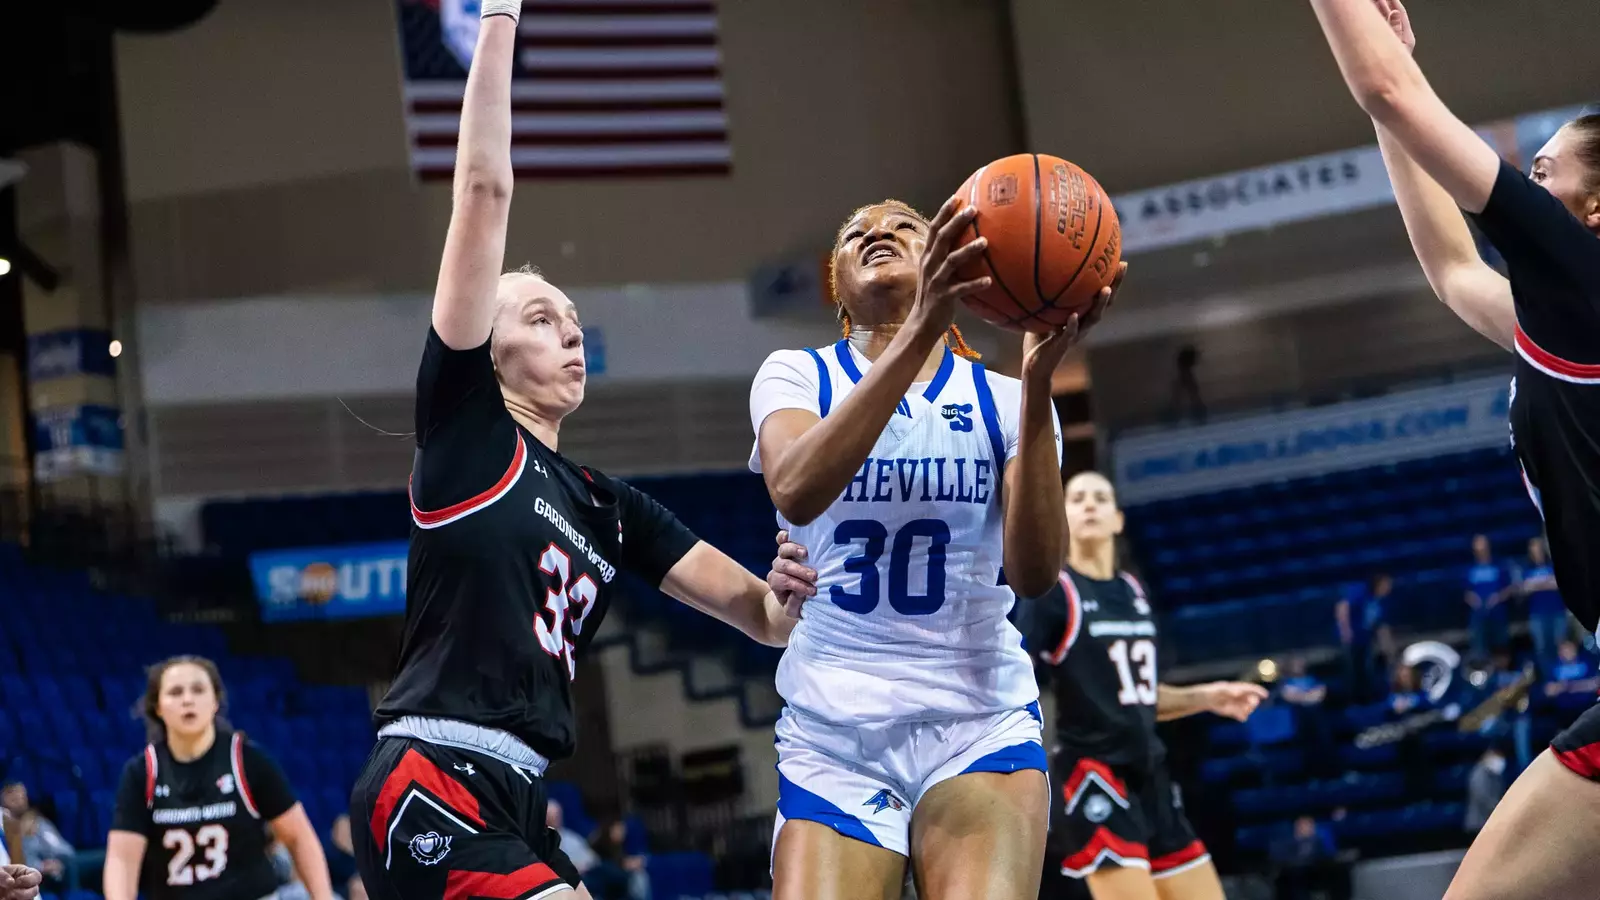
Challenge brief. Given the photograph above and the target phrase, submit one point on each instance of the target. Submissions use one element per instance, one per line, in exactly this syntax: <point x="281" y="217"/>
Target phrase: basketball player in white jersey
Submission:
<point x="912" y="474"/>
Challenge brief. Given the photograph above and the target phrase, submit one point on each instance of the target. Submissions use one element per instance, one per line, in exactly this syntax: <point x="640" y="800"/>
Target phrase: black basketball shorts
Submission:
<point x="439" y="822"/>
<point x="1578" y="747"/>
<point x="1106" y="816"/>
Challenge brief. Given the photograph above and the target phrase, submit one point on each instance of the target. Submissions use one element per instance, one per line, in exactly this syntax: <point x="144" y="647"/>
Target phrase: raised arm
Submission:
<point x="1476" y="293"/>
<point x="1472" y="290"/>
<point x="1035" y="524"/>
<point x="475" y="245"/>
<point x="1387" y="84"/>
<point x="808" y="461"/>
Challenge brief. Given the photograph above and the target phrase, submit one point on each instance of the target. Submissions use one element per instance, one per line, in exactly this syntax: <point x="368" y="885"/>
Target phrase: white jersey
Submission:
<point x="909" y="622"/>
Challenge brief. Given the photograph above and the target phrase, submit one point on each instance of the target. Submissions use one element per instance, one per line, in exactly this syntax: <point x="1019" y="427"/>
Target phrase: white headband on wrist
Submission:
<point x="512" y="8"/>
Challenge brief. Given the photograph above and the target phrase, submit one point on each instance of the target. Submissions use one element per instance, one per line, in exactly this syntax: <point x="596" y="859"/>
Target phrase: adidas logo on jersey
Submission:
<point x="225" y="784"/>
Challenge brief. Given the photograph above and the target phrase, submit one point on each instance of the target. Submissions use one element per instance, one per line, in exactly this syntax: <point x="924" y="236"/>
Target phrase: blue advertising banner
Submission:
<point x="72" y="351"/>
<point x="1410" y="425"/>
<point x="330" y="582"/>
<point x="77" y="440"/>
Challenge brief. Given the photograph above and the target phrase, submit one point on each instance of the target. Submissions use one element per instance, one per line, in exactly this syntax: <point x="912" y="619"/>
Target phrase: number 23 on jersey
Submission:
<point x="211" y="841"/>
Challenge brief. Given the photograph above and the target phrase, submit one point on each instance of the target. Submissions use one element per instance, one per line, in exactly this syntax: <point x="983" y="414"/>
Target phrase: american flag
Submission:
<point x="602" y="87"/>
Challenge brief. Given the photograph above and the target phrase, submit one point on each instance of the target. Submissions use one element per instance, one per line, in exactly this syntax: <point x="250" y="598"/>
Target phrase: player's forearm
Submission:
<point x="483" y="147"/>
<point x="474" y="247"/>
<point x="1376" y="66"/>
<point x="1444" y="246"/>
<point x="1035" y="524"/>
<point x="1438" y="232"/>
<point x="1174" y="702"/>
<point x="710" y="581"/>
<point x="312" y="866"/>
<point x="119" y="879"/>
<point x="818" y="465"/>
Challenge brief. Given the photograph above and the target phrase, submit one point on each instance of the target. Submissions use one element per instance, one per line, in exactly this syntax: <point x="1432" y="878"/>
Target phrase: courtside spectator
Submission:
<point x="1305" y="694"/>
<point x="1572" y="683"/>
<point x="1485" y="786"/>
<point x="342" y="860"/>
<point x="1300" y="687"/>
<point x="1488" y="587"/>
<point x="1307" y="857"/>
<point x="1365" y="635"/>
<point x="1548" y="623"/>
<point x="573" y="844"/>
<point x="1405" y="692"/>
<point x="622" y="855"/>
<point x="43" y="847"/>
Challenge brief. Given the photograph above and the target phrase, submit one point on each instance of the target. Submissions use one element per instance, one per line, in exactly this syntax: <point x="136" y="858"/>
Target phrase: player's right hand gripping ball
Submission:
<point x="1054" y="241"/>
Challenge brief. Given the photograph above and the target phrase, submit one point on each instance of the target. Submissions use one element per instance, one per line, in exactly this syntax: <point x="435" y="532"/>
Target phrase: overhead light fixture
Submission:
<point x="5" y="267"/>
<point x="115" y="349"/>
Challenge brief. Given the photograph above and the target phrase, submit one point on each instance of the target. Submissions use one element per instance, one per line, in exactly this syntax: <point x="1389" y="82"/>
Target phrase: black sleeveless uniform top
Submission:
<point x="1553" y="263"/>
<point x="514" y="557"/>
<point x="1098" y="639"/>
<point x="205" y="820"/>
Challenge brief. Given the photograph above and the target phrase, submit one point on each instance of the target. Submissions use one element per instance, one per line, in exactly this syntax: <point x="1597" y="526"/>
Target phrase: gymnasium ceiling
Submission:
<point x="265" y="148"/>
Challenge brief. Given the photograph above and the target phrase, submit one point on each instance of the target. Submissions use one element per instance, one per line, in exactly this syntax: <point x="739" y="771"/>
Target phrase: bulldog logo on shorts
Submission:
<point x="1097" y="808"/>
<point x="430" y="848"/>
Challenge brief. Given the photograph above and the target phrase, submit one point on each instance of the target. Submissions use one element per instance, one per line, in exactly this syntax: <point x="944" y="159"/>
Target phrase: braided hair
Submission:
<point x="953" y="338"/>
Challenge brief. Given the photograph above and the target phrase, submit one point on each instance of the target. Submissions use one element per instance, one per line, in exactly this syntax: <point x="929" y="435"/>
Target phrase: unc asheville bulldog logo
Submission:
<point x="883" y="800"/>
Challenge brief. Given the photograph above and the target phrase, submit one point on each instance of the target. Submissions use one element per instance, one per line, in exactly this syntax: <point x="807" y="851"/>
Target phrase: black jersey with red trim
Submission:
<point x="1099" y="640"/>
<point x="204" y="821"/>
<point x="514" y="557"/>
<point x="1553" y="263"/>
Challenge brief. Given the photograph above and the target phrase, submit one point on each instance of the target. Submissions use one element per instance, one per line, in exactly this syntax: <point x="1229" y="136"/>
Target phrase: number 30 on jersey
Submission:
<point x="874" y="535"/>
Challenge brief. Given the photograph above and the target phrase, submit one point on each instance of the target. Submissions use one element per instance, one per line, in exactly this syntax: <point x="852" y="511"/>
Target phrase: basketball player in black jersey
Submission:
<point x="193" y="810"/>
<point x="1117" y="819"/>
<point x="1540" y="841"/>
<point x="515" y="552"/>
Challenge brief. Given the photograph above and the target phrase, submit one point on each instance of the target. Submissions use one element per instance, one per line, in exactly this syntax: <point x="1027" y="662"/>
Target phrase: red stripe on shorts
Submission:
<point x="1179" y="858"/>
<point x="460" y="885"/>
<point x="415" y="769"/>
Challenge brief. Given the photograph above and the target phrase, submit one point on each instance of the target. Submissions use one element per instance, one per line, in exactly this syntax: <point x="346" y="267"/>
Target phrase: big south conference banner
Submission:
<point x="1451" y="418"/>
<point x="330" y="582"/>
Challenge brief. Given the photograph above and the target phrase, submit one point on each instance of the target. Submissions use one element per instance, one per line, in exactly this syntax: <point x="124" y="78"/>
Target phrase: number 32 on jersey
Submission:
<point x="567" y="607"/>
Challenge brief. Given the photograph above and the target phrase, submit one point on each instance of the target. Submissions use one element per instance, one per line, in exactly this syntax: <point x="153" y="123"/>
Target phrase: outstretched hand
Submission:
<point x="792" y="581"/>
<point x="938" y="287"/>
<point x="1235" y="699"/>
<point x="1042" y="353"/>
<point x="1394" y="12"/>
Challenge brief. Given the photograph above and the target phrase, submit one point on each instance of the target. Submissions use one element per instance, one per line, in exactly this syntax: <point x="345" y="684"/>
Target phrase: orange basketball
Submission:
<point x="1054" y="241"/>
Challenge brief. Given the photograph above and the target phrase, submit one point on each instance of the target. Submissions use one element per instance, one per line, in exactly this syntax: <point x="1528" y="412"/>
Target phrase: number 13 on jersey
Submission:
<point x="1136" y="669"/>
